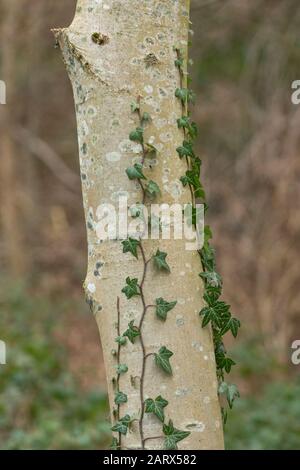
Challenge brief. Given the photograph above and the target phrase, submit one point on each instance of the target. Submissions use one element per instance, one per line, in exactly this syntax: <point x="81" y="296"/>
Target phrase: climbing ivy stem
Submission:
<point x="145" y="262"/>
<point x="118" y="359"/>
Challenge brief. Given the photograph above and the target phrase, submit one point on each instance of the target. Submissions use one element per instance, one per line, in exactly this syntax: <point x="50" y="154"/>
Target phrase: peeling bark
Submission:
<point x="114" y="52"/>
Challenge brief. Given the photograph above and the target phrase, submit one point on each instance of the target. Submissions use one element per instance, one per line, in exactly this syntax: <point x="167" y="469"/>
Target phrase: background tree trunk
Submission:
<point x="135" y="57"/>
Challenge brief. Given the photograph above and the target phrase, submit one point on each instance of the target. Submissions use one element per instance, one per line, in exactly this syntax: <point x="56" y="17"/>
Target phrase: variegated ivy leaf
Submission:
<point x="163" y="307"/>
<point x="132" y="332"/>
<point x="173" y="436"/>
<point x="130" y="246"/>
<point x="132" y="288"/>
<point x="160" y="261"/>
<point x="156" y="407"/>
<point x="162" y="359"/>
<point x="120" y="398"/>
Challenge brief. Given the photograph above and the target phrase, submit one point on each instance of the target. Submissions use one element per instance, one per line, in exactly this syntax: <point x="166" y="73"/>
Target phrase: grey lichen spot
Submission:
<point x="196" y="345"/>
<point x="179" y="320"/>
<point x="100" y="39"/>
<point x="181" y="392"/>
<point x="197" y="426"/>
<point x="113" y="157"/>
<point x="151" y="60"/>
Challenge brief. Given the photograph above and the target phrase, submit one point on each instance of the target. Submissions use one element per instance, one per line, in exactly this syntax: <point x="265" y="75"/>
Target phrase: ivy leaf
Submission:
<point x="134" y="106"/>
<point x="230" y="391"/>
<point x="216" y="313"/>
<point x="150" y="150"/>
<point x="163" y="307"/>
<point x="122" y="369"/>
<point x="132" y="288"/>
<point x="114" y="444"/>
<point x="185" y="95"/>
<point x="227" y="364"/>
<point x="132" y="332"/>
<point x="120" y="398"/>
<point x="146" y="118"/>
<point x="179" y="63"/>
<point x="186" y="150"/>
<point x="130" y="246"/>
<point x="122" y="425"/>
<point x="152" y="189"/>
<point x="185" y="123"/>
<point x="233" y="325"/>
<point x="137" y="135"/>
<point x="160" y="261"/>
<point x="173" y="436"/>
<point x="212" y="278"/>
<point x="135" y="172"/>
<point x="211" y="295"/>
<point x="121" y="340"/>
<point x="162" y="359"/>
<point x="157" y="407"/>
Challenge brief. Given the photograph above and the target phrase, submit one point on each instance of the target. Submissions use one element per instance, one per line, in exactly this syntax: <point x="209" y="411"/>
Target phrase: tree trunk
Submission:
<point x="116" y="53"/>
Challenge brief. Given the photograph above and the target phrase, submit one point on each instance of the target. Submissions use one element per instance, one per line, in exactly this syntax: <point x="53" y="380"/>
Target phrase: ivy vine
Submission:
<point x="135" y="288"/>
<point x="217" y="313"/>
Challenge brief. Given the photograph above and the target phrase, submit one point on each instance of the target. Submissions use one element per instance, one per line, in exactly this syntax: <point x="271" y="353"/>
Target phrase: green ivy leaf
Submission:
<point x="132" y="288"/>
<point x="137" y="135"/>
<point x="122" y="425"/>
<point x="216" y="312"/>
<point x="130" y="246"/>
<point x="121" y="340"/>
<point x="135" y="172"/>
<point x="162" y="359"/>
<point x="120" y="398"/>
<point x="160" y="261"/>
<point x="152" y="189"/>
<point x="156" y="406"/>
<point x="146" y="118"/>
<point x="173" y="436"/>
<point x="212" y="278"/>
<point x="233" y="325"/>
<point x="114" y="444"/>
<point x="179" y="63"/>
<point x="186" y="150"/>
<point x="230" y="391"/>
<point x="134" y="106"/>
<point x="122" y="369"/>
<point x="185" y="122"/>
<point x="163" y="307"/>
<point x="132" y="332"/>
<point x="185" y="95"/>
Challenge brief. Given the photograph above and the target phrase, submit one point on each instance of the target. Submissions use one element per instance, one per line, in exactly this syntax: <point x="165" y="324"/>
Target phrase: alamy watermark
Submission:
<point x="156" y="221"/>
<point x="295" y="357"/>
<point x="2" y="353"/>
<point x="2" y="92"/>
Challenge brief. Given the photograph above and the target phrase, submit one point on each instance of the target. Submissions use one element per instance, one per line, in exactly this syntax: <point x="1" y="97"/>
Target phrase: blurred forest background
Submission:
<point x="246" y="55"/>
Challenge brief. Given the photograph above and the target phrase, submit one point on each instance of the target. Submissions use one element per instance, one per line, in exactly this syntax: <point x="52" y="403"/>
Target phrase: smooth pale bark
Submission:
<point x="106" y="79"/>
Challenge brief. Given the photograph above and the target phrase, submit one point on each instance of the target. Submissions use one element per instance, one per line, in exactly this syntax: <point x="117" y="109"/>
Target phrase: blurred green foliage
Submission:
<point x="269" y="421"/>
<point x="42" y="406"/>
